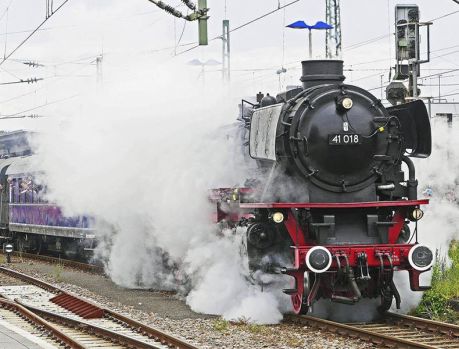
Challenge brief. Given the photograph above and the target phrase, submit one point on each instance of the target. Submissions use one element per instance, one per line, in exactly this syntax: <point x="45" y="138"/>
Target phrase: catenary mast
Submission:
<point x="333" y="37"/>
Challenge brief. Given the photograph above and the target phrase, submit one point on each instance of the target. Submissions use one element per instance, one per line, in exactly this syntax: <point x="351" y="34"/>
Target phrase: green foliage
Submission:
<point x="445" y="286"/>
<point x="246" y="324"/>
<point x="57" y="272"/>
<point x="242" y="321"/>
<point x="221" y="325"/>
<point x="254" y="328"/>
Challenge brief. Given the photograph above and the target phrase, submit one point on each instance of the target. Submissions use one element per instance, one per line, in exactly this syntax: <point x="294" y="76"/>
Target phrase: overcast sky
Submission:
<point x="124" y="31"/>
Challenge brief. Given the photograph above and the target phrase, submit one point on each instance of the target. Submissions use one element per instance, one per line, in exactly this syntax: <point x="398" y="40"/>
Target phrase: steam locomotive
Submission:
<point x="334" y="203"/>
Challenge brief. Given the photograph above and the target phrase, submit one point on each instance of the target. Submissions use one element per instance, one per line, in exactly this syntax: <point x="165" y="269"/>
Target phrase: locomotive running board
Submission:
<point x="402" y="203"/>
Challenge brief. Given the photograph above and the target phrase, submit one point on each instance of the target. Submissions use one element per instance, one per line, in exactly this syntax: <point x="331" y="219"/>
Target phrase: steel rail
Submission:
<point x="87" y="327"/>
<point x="40" y="323"/>
<point x="384" y="336"/>
<point x="382" y="340"/>
<point x="426" y="324"/>
<point x="31" y="280"/>
<point x="151" y="332"/>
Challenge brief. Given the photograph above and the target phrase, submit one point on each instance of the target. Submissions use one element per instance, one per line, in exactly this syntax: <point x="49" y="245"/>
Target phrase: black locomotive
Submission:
<point x="330" y="204"/>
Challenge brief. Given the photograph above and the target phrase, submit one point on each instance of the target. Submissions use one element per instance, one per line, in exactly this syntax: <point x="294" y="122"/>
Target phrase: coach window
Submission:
<point x="20" y="199"/>
<point x="13" y="197"/>
<point x="16" y="190"/>
<point x="23" y="191"/>
<point x="19" y="191"/>
<point x="11" y="189"/>
<point x="31" y="192"/>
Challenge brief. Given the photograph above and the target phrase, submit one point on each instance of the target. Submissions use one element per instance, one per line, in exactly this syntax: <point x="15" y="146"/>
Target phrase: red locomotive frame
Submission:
<point x="386" y="257"/>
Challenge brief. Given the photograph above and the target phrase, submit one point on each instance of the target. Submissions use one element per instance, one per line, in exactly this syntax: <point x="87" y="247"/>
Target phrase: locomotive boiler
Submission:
<point x="334" y="200"/>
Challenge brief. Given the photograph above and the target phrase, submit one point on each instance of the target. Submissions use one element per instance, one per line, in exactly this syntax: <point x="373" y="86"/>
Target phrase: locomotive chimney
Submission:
<point x="318" y="72"/>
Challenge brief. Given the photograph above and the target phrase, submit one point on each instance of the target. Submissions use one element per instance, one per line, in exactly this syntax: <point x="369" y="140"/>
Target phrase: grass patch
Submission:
<point x="221" y="325"/>
<point x="57" y="271"/>
<point x="247" y="325"/>
<point x="445" y="286"/>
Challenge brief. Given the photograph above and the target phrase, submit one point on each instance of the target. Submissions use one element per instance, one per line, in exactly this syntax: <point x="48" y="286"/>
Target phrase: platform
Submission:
<point x="12" y="337"/>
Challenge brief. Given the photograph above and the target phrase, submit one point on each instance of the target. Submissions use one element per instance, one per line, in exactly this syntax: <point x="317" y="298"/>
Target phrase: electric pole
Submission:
<point x="99" y="68"/>
<point x="199" y="14"/>
<point x="333" y="38"/>
<point x="202" y="21"/>
<point x="226" y="58"/>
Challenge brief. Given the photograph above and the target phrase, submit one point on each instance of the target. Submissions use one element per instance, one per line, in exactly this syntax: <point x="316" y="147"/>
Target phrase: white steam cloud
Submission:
<point x="440" y="174"/>
<point x="139" y="155"/>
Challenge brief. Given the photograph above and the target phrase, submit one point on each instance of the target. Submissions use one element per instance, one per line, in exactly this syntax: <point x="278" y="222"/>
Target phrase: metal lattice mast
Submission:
<point x="333" y="37"/>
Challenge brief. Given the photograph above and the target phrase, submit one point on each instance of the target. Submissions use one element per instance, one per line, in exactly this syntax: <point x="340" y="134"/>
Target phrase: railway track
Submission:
<point x="77" y="323"/>
<point x="394" y="331"/>
<point x="65" y="262"/>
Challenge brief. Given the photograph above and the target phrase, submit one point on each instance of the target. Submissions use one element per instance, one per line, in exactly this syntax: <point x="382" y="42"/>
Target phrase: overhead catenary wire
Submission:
<point x="262" y="16"/>
<point x="380" y="37"/>
<point x="372" y="40"/>
<point x="450" y="94"/>
<point x="10" y="73"/>
<point x="31" y="116"/>
<point x="6" y="31"/>
<point x="437" y="74"/>
<point x="444" y="16"/>
<point x="168" y="8"/>
<point x="33" y="32"/>
<point x="6" y="10"/>
<point x="46" y="84"/>
<point x="180" y="38"/>
<point x="242" y="25"/>
<point x="196" y="14"/>
<point x="41" y="106"/>
<point x="189" y="4"/>
<point x="22" y="81"/>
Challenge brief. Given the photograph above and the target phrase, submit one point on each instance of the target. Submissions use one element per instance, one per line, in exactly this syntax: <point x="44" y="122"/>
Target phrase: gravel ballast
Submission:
<point x="167" y="312"/>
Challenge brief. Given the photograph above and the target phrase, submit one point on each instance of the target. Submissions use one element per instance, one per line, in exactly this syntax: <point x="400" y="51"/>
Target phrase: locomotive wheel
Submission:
<point x="299" y="308"/>
<point x="386" y="300"/>
<point x="302" y="286"/>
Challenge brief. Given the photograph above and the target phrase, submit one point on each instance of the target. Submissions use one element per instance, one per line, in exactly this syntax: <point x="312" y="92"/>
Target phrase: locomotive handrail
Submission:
<point x="400" y="203"/>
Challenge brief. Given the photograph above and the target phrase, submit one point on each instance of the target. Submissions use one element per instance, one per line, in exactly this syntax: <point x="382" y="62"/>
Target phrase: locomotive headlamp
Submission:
<point x="235" y="195"/>
<point x="277" y="217"/>
<point x="416" y="214"/>
<point x="347" y="103"/>
<point x="420" y="257"/>
<point x="318" y="259"/>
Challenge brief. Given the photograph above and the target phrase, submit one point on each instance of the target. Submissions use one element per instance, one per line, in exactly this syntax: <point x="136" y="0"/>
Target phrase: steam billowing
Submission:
<point x="140" y="156"/>
<point x="439" y="225"/>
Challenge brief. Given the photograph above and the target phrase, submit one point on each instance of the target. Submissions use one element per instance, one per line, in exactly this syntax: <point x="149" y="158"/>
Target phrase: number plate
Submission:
<point x="344" y="139"/>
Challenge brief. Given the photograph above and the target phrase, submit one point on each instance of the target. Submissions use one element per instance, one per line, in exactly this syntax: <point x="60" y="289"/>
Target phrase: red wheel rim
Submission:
<point x="297" y="301"/>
